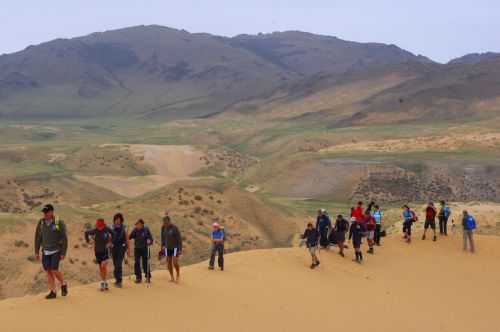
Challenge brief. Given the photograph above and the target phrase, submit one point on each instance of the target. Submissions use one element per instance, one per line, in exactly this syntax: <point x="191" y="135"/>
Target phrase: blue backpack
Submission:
<point x="470" y="223"/>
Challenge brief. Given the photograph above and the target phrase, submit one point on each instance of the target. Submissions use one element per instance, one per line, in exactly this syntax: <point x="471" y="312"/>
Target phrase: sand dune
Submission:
<point x="425" y="286"/>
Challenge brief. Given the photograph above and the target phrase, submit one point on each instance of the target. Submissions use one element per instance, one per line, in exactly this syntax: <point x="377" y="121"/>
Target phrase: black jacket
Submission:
<point x="341" y="225"/>
<point x="141" y="237"/>
<point x="311" y="236"/>
<point x="102" y="237"/>
<point x="171" y="237"/>
<point x="357" y="231"/>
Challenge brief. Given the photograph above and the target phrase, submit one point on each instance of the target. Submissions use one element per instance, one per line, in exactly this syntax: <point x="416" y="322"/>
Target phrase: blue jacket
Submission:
<point x="323" y="222"/>
<point x="469" y="223"/>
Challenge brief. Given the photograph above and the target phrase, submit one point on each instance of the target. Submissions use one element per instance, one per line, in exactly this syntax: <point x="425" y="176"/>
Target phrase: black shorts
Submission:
<point x="340" y="236"/>
<point x="101" y="257"/>
<point x="172" y="252"/>
<point x="51" y="262"/>
<point x="430" y="223"/>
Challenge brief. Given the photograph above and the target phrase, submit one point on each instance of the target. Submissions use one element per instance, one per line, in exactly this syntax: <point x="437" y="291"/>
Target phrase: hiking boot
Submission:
<point x="51" y="295"/>
<point x="317" y="263"/>
<point x="64" y="290"/>
<point x="434" y="238"/>
<point x="341" y="254"/>
<point x="211" y="268"/>
<point x="106" y="286"/>
<point x="313" y="266"/>
<point x="138" y="281"/>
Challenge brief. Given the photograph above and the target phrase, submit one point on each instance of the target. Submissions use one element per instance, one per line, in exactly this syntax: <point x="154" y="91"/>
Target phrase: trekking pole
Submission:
<point x="148" y="277"/>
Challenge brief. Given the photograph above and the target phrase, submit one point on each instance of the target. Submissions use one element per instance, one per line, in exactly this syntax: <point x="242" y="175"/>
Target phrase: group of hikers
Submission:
<point x="368" y="222"/>
<point x="113" y="242"/>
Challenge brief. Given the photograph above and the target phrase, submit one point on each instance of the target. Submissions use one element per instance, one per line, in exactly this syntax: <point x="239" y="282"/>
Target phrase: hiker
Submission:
<point x="51" y="237"/>
<point x="171" y="245"/>
<point x="356" y="233"/>
<point x="323" y="226"/>
<point x="357" y="212"/>
<point x="143" y="239"/>
<point x="102" y="236"/>
<point x="341" y="228"/>
<point x="377" y="215"/>
<point x="409" y="217"/>
<point x="443" y="216"/>
<point x="430" y="220"/>
<point x="312" y="236"/>
<point x="217" y="238"/>
<point x="469" y="225"/>
<point x="370" y="225"/>
<point x="120" y="246"/>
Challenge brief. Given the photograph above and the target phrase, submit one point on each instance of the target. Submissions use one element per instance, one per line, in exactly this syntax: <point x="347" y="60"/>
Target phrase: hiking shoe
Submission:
<point x="341" y="254"/>
<point x="313" y="266"/>
<point x="138" y="281"/>
<point x="211" y="268"/>
<point x="434" y="238"/>
<point x="106" y="286"/>
<point x="51" y="295"/>
<point x="64" y="290"/>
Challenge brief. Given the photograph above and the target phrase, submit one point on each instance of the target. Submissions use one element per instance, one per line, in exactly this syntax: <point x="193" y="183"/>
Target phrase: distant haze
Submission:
<point x="441" y="30"/>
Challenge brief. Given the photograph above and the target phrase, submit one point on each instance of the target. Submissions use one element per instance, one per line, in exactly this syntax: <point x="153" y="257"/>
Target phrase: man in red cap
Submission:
<point x="102" y="236"/>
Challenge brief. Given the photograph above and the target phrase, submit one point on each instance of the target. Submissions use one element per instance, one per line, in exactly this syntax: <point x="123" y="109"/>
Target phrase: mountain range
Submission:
<point x="155" y="72"/>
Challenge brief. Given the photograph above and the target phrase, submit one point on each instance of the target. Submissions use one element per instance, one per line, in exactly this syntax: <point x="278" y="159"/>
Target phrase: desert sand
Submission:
<point x="170" y="163"/>
<point x="424" y="286"/>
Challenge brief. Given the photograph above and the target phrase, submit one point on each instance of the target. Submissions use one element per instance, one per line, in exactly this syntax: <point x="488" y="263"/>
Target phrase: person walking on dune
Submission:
<point x="217" y="238"/>
<point x="468" y="225"/>
<point x="324" y="226"/>
<point x="312" y="236"/>
<point x="370" y="225"/>
<point x="143" y="239"/>
<point x="51" y="237"/>
<point x="121" y="246"/>
<point x="409" y="217"/>
<point x="443" y="216"/>
<point x="102" y="236"/>
<point x="430" y="220"/>
<point x="171" y="244"/>
<point x="341" y="228"/>
<point x="356" y="233"/>
<point x="378" y="215"/>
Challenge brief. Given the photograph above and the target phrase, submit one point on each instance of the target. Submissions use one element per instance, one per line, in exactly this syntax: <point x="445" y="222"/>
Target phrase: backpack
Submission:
<point x="414" y="216"/>
<point x="470" y="223"/>
<point x="57" y="223"/>
<point x="446" y="211"/>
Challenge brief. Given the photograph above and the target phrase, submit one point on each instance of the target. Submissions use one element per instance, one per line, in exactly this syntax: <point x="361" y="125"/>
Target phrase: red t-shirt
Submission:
<point x="358" y="213"/>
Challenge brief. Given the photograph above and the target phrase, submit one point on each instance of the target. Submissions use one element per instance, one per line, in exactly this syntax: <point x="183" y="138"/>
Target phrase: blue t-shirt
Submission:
<point x="377" y="215"/>
<point x="407" y="215"/>
<point x="218" y="235"/>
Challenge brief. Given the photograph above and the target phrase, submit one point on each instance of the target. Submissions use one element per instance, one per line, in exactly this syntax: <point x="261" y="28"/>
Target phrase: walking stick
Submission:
<point x="148" y="277"/>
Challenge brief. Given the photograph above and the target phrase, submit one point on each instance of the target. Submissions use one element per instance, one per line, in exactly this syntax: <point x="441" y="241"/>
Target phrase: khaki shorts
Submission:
<point x="312" y="250"/>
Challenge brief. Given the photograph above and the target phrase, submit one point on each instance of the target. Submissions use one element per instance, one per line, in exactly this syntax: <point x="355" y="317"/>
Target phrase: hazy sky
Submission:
<point x="440" y="29"/>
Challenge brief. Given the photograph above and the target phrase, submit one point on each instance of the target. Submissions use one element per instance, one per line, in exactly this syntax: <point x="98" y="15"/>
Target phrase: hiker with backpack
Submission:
<point x="143" y="239"/>
<point x="356" y="233"/>
<point x="312" y="237"/>
<point x="171" y="245"/>
<point x="430" y="220"/>
<point x="119" y="248"/>
<point x="323" y="226"/>
<point x="217" y="237"/>
<point x="341" y="228"/>
<point x="52" y="238"/>
<point x="377" y="215"/>
<point x="469" y="225"/>
<point x="370" y="225"/>
<point x="102" y="236"/>
<point x="443" y="216"/>
<point x="409" y="217"/>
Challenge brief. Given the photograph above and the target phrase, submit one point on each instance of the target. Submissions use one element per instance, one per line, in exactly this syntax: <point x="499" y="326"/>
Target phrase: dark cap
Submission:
<point x="48" y="208"/>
